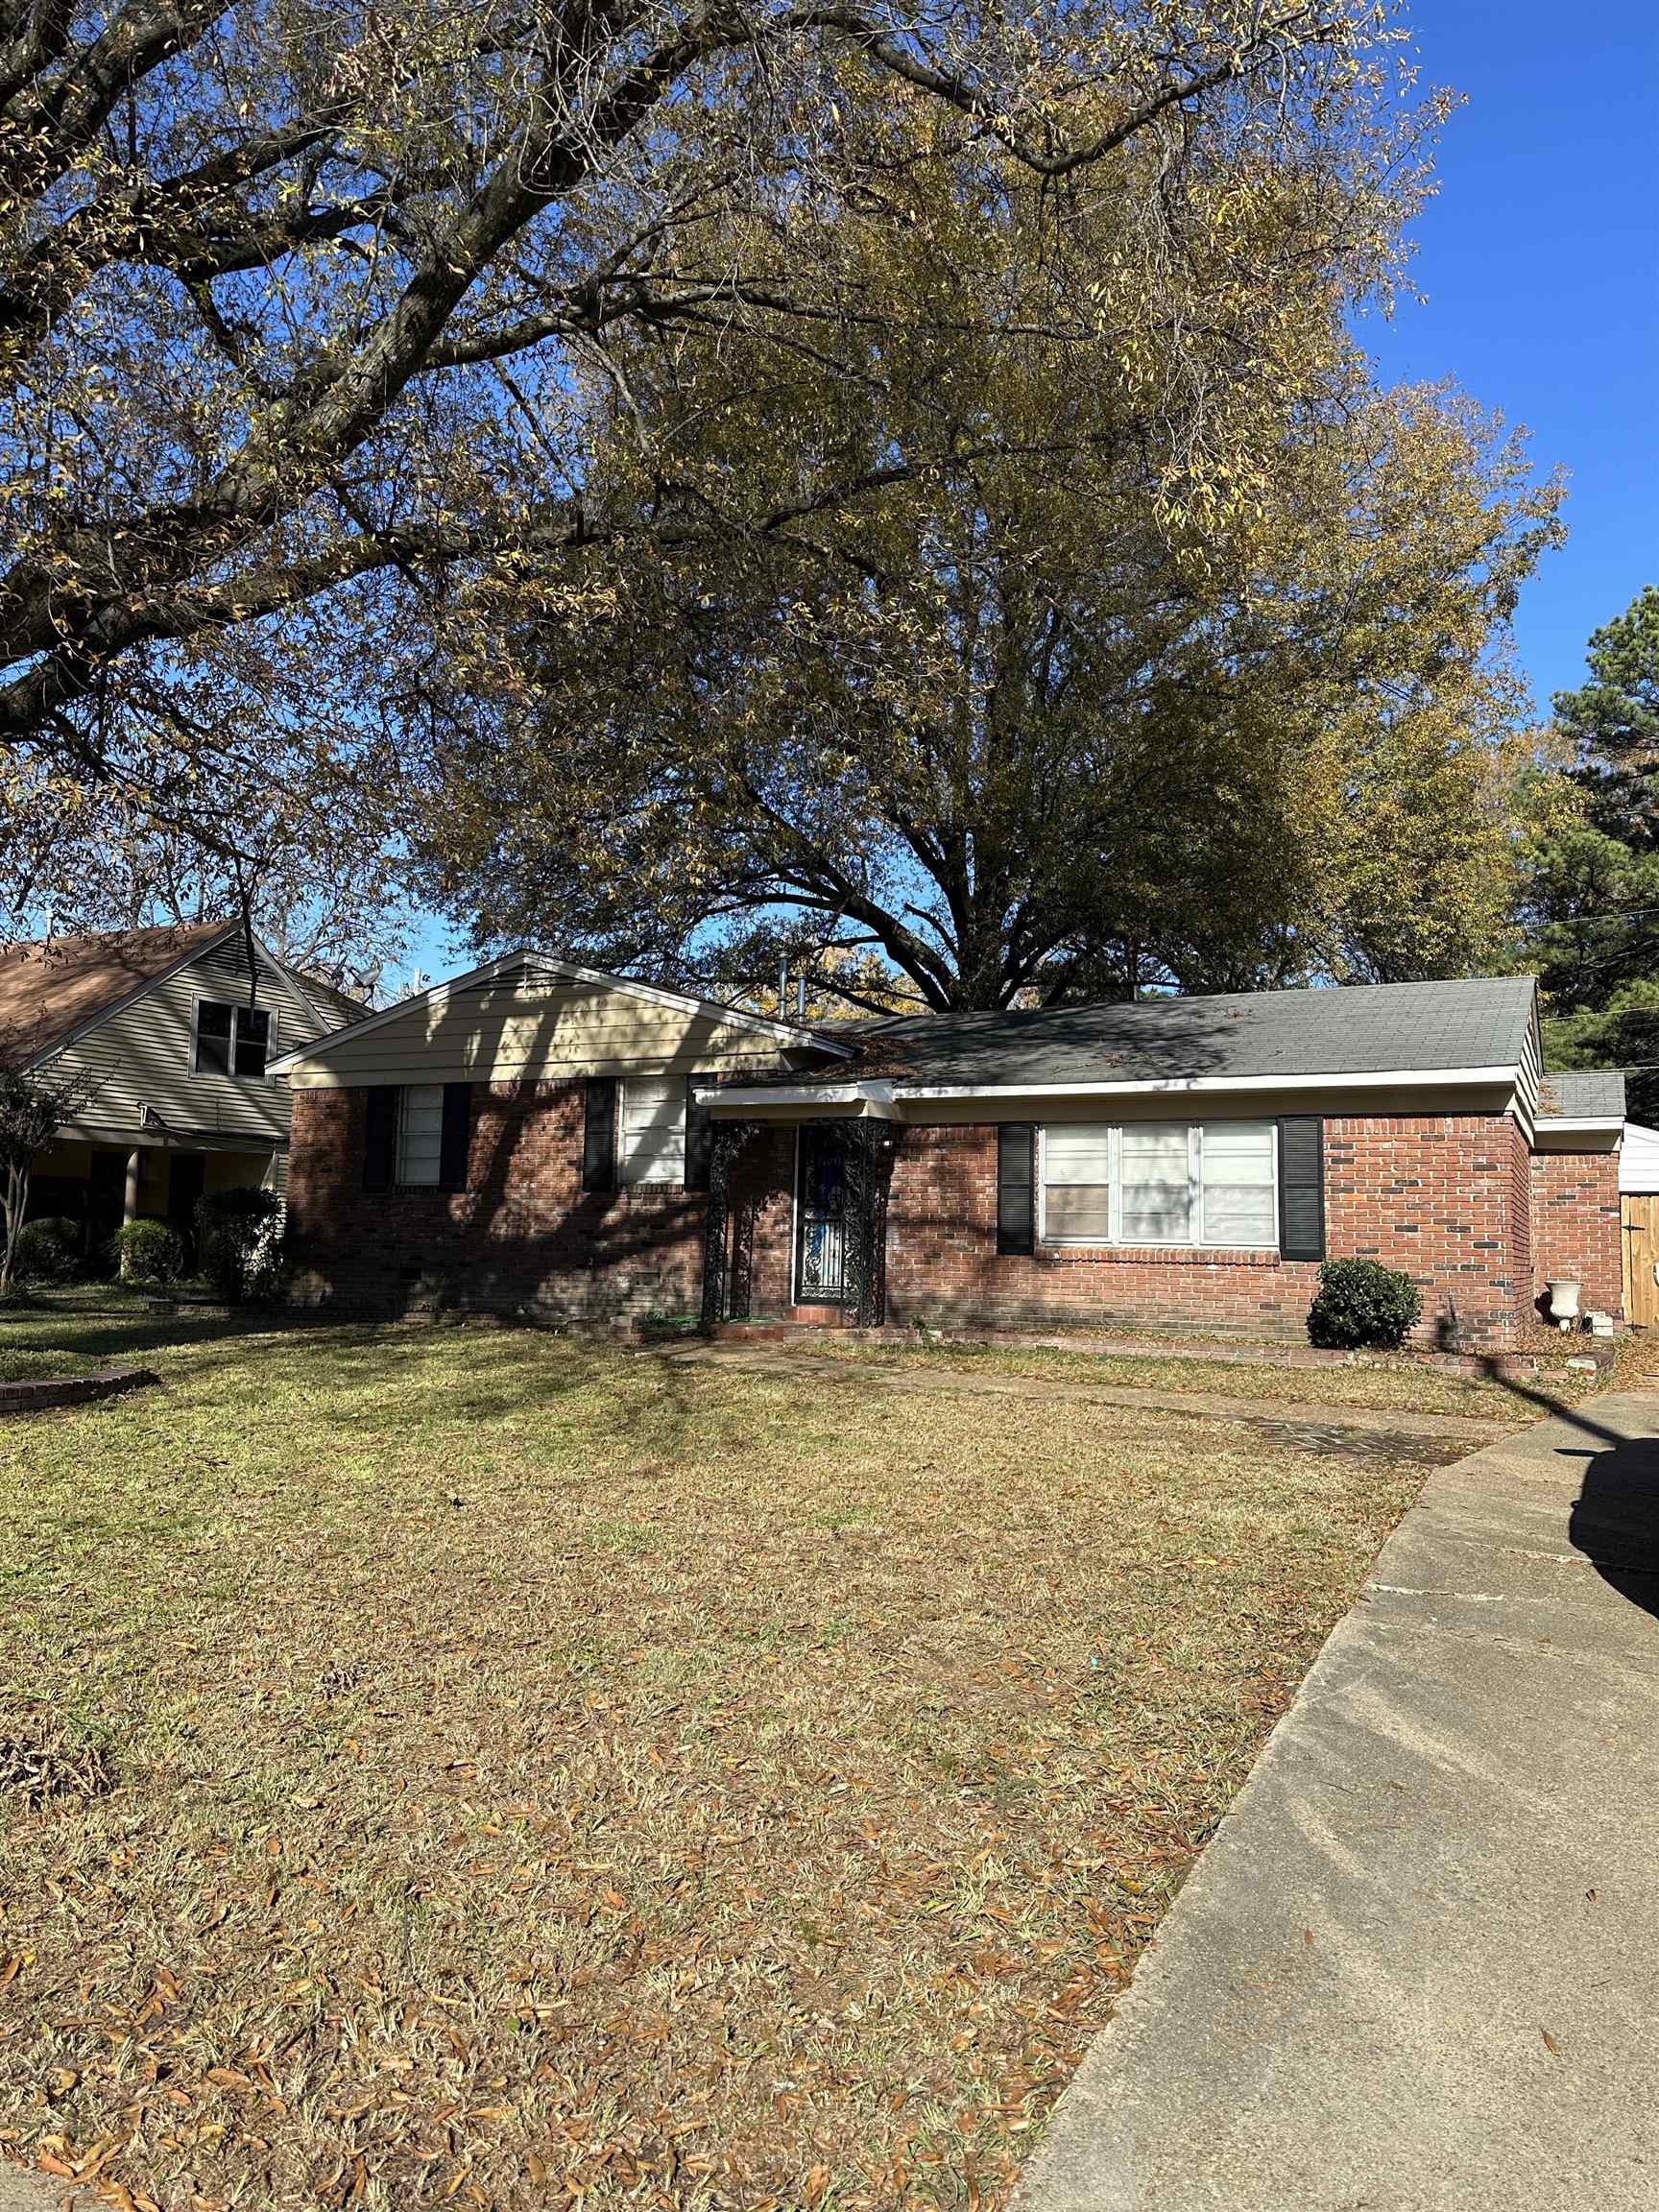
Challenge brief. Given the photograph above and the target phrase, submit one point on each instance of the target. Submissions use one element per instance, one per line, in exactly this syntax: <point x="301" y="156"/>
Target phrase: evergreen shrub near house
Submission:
<point x="49" y="1249"/>
<point x="1359" y="1303"/>
<point x="239" y="1238"/>
<point x="150" y="1252"/>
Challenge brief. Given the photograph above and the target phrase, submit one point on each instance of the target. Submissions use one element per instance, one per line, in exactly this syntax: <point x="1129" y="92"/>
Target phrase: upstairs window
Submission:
<point x="231" y="1040"/>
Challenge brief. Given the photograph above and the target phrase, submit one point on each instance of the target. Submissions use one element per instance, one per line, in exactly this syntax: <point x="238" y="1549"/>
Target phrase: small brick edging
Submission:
<point x="49" y="1390"/>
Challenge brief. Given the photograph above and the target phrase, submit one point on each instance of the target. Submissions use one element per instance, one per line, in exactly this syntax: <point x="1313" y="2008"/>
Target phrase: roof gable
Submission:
<point x="55" y="991"/>
<point x="528" y="962"/>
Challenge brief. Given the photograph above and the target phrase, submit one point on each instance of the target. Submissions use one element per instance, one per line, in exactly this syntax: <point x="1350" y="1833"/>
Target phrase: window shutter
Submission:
<point x="698" y="1132"/>
<point x="599" y="1133"/>
<point x="1016" y="1187"/>
<point x="457" y="1136"/>
<point x="1302" y="1188"/>
<point x="380" y="1121"/>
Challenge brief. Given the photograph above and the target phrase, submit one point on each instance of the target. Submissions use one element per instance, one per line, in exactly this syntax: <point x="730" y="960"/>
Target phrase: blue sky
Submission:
<point x="1539" y="260"/>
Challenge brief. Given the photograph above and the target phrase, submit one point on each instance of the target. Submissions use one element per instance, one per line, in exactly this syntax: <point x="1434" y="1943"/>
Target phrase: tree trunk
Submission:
<point x="13" y="1204"/>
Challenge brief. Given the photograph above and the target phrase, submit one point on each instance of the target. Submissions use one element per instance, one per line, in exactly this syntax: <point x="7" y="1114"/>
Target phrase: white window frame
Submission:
<point x="1115" y="1240"/>
<point x="626" y="1178"/>
<point x="237" y="1006"/>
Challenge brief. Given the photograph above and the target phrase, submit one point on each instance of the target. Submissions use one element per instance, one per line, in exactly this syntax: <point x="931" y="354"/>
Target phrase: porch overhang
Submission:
<point x="1370" y="1091"/>
<point x="162" y="1137"/>
<point x="801" y="1102"/>
<point x="1578" y="1133"/>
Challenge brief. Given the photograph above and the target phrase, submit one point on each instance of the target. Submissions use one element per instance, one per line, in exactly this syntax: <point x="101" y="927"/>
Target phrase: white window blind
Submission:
<point x="1156" y="1205"/>
<point x="1161" y="1183"/>
<point x="1077" y="1183"/>
<point x="421" y="1133"/>
<point x="1240" y="1177"/>
<point x="653" y="1129"/>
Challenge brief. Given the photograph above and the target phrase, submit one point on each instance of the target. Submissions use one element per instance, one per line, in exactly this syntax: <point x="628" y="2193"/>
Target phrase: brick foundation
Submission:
<point x="1575" y="1226"/>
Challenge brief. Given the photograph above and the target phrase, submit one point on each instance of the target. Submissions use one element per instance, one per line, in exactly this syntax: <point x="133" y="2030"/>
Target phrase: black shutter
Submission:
<point x="1017" y="1187"/>
<point x="379" y="1128"/>
<point x="1302" y="1188"/>
<point x="457" y="1137"/>
<point x="599" y="1133"/>
<point x="697" y="1137"/>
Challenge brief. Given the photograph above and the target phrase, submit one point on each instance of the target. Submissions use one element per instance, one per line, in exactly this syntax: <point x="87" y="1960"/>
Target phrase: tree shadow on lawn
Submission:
<point x="105" y="1325"/>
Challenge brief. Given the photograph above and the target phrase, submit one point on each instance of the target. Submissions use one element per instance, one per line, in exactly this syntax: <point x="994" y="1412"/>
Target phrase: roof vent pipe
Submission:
<point x="800" y="997"/>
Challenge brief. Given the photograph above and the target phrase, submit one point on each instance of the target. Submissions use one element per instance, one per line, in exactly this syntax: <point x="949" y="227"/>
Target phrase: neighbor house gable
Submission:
<point x="528" y="1018"/>
<point x="142" y="1053"/>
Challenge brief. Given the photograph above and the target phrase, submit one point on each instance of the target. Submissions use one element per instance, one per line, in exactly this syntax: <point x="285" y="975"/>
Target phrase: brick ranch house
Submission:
<point x="535" y="1136"/>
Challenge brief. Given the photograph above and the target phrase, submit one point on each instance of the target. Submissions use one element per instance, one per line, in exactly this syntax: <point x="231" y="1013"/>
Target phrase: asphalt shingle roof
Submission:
<point x="1353" y="1029"/>
<point x="48" y="988"/>
<point x="1582" y="1093"/>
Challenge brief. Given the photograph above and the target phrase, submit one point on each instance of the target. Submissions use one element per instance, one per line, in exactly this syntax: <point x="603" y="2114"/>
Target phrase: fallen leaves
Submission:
<point x="481" y="1858"/>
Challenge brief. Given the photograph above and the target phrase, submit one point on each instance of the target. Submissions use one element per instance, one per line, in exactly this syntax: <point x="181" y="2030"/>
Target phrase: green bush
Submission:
<point x="1358" y="1302"/>
<point x="49" y="1250"/>
<point x="150" y="1252"/>
<point x="239" y="1238"/>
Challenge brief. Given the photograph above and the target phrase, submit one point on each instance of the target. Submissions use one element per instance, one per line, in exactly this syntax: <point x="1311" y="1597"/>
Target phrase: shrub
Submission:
<point x="49" y="1250"/>
<point x="150" y="1252"/>
<point x="1359" y="1302"/>
<point x="240" y="1241"/>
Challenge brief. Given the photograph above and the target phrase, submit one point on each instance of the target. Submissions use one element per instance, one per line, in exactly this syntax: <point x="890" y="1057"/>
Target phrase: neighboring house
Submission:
<point x="179" y="1037"/>
<point x="536" y="1136"/>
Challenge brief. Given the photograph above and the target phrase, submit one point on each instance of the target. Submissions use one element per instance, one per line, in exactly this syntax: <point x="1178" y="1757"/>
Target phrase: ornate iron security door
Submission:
<point x="820" y="1215"/>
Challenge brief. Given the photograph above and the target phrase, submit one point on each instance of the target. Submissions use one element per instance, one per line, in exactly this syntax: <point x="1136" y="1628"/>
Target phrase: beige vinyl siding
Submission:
<point x="520" y="1029"/>
<point x="145" y="1055"/>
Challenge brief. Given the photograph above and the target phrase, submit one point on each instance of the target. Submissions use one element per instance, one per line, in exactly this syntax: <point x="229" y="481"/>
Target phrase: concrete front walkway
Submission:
<point x="1418" y="1966"/>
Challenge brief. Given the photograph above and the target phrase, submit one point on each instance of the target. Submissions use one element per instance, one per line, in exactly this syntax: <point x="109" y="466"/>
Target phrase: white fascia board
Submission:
<point x="876" y="1098"/>
<point x="890" y="1099"/>
<point x="509" y="962"/>
<point x="1372" y="1079"/>
<point x="1580" y="1124"/>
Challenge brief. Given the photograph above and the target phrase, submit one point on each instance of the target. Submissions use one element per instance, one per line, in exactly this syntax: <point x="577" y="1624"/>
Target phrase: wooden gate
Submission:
<point x="1639" y="1218"/>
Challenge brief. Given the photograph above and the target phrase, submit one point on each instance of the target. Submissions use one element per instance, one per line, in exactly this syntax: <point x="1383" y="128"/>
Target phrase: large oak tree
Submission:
<point x="1159" y="646"/>
<point x="307" y="307"/>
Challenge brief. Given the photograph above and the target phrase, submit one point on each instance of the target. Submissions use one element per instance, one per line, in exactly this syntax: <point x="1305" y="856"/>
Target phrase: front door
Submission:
<point x="106" y="1204"/>
<point x="187" y="1172"/>
<point x="821" y="1216"/>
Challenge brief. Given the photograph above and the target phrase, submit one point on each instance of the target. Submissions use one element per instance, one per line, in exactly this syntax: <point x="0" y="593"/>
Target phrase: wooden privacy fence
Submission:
<point x="1639" y="1218"/>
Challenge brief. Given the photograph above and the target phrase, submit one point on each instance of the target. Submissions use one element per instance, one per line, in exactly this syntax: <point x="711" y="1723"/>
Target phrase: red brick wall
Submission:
<point x="524" y="1235"/>
<point x="1575" y="1232"/>
<point x="1447" y="1198"/>
<point x="1433" y="1195"/>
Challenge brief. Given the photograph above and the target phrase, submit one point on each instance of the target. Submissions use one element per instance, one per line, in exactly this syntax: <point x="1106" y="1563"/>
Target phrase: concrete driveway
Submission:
<point x="1418" y="1966"/>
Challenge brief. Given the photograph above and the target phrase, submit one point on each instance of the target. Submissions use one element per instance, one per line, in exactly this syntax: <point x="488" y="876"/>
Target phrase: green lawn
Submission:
<point x="466" y="1766"/>
<point x="40" y="1363"/>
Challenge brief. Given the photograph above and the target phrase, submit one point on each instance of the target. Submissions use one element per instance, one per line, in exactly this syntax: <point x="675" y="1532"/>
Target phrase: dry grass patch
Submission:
<point x="1405" y="1385"/>
<point x="539" y="1771"/>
